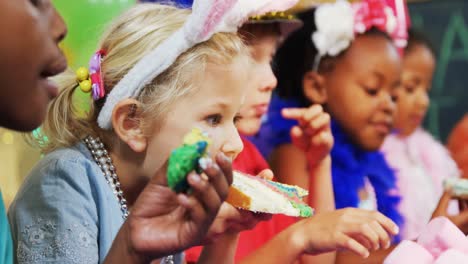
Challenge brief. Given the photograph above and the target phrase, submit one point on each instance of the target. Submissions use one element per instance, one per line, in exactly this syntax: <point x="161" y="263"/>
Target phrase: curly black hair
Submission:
<point x="296" y="57"/>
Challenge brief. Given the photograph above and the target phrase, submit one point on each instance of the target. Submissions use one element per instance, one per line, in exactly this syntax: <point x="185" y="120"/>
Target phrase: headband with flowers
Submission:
<point x="208" y="17"/>
<point x="338" y="23"/>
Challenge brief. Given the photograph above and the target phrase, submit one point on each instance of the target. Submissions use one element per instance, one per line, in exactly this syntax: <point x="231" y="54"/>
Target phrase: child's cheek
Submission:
<point x="217" y="136"/>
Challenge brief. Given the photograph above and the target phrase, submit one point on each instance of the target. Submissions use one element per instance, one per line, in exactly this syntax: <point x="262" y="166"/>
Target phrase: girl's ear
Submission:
<point x="313" y="84"/>
<point x="126" y="122"/>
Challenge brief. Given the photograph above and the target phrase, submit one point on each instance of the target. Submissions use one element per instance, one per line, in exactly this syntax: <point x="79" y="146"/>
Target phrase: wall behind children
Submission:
<point x="85" y="20"/>
<point x="445" y="22"/>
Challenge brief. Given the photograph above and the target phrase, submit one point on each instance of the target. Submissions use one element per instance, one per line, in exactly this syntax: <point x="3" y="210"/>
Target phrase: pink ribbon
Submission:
<point x="98" y="90"/>
<point x="379" y="14"/>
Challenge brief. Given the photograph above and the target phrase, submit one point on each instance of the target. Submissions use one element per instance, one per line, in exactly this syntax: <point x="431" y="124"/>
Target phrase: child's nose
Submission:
<point x="58" y="26"/>
<point x="232" y="144"/>
<point x="269" y="81"/>
<point x="422" y="100"/>
<point x="387" y="103"/>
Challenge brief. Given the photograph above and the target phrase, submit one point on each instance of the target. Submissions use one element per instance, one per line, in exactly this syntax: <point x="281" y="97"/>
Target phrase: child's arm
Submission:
<point x="224" y="250"/>
<point x="224" y="232"/>
<point x="460" y="220"/>
<point x="322" y="199"/>
<point x="375" y="257"/>
<point x="307" y="162"/>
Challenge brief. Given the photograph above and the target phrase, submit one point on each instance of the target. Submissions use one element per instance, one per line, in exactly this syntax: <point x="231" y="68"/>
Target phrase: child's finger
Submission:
<point x="293" y="113"/>
<point x="384" y="238"/>
<point x="296" y="132"/>
<point x="296" y="137"/>
<point x="266" y="174"/>
<point x="298" y="113"/>
<point x="205" y="193"/>
<point x="348" y="243"/>
<point x="389" y="226"/>
<point x="225" y="164"/>
<point x="194" y="208"/>
<point x="366" y="231"/>
<point x="322" y="138"/>
<point x="363" y="241"/>
<point x="443" y="204"/>
<point x="216" y="176"/>
<point x="321" y="123"/>
<point x="312" y="113"/>
<point x="461" y="218"/>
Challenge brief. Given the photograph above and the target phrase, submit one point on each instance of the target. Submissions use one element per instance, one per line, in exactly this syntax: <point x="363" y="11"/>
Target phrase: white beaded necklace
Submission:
<point x="104" y="161"/>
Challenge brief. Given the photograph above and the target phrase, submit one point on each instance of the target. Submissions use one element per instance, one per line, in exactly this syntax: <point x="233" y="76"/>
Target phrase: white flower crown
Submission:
<point x="338" y="23"/>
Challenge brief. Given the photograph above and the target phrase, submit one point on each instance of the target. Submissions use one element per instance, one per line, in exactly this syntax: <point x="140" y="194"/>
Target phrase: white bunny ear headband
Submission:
<point x="208" y="17"/>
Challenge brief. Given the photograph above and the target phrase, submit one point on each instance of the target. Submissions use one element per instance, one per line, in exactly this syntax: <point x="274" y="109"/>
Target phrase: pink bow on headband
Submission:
<point x="389" y="16"/>
<point x="95" y="72"/>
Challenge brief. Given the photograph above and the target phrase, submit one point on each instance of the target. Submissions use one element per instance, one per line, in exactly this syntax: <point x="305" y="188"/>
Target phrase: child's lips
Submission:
<point x="382" y="127"/>
<point x="261" y="109"/>
<point x="57" y="67"/>
<point x="50" y="86"/>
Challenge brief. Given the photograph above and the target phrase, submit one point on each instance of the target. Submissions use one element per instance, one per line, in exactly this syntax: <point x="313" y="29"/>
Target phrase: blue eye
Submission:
<point x="214" y="120"/>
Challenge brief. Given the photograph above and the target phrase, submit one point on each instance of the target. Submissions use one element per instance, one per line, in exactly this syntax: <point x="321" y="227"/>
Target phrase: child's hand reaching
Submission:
<point x="461" y="219"/>
<point x="313" y="134"/>
<point x="163" y="222"/>
<point x="357" y="230"/>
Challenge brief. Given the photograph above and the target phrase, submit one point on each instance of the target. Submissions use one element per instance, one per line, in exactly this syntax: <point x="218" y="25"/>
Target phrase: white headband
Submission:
<point x="207" y="18"/>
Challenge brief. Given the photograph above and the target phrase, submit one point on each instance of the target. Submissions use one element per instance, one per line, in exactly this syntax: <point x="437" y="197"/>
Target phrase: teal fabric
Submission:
<point x="6" y="244"/>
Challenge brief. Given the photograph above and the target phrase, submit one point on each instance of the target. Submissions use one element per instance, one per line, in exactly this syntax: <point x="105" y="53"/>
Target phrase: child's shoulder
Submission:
<point x="426" y="142"/>
<point x="436" y="157"/>
<point x="63" y="167"/>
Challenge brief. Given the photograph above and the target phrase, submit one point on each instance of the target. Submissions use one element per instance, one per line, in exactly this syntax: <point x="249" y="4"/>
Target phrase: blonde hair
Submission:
<point x="252" y="32"/>
<point x="130" y="37"/>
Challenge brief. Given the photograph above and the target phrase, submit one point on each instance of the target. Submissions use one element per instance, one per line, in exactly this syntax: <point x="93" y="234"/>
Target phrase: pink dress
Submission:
<point x="421" y="165"/>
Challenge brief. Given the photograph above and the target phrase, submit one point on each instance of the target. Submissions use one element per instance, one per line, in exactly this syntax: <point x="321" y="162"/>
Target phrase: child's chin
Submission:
<point x="372" y="143"/>
<point x="249" y="128"/>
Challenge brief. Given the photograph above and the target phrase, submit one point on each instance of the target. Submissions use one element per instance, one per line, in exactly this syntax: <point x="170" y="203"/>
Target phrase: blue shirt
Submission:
<point x="65" y="211"/>
<point x="6" y="248"/>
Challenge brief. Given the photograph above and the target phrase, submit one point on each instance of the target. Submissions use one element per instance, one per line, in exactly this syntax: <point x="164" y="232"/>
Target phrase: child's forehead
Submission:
<point x="367" y="53"/>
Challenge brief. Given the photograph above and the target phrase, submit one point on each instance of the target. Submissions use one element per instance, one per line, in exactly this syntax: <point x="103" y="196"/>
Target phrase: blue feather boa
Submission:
<point x="350" y="164"/>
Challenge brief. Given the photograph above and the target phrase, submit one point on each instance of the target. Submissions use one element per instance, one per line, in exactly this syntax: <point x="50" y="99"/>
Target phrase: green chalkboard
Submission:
<point x="445" y="22"/>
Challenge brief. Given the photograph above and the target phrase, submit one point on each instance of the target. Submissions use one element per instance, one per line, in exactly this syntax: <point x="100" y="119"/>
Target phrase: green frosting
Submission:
<point x="304" y="210"/>
<point x="182" y="161"/>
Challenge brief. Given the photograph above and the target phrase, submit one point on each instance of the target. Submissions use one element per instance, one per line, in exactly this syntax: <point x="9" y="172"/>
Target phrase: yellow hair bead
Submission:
<point x="85" y="86"/>
<point x="82" y="74"/>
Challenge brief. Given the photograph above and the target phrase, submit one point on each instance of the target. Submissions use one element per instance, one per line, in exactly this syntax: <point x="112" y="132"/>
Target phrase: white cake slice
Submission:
<point x="259" y="195"/>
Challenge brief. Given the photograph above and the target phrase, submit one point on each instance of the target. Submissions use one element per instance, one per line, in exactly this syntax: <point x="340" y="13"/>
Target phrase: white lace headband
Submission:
<point x="207" y="18"/>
